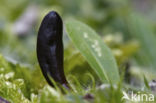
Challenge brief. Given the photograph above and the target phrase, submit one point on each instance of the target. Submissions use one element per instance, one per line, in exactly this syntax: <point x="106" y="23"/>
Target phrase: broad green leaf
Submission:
<point x="98" y="55"/>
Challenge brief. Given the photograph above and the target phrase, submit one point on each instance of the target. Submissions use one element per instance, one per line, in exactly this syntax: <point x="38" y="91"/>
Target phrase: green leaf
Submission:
<point x="146" y="82"/>
<point x="98" y="55"/>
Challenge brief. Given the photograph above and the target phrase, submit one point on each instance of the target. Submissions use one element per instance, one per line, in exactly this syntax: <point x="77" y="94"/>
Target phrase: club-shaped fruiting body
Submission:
<point x="50" y="48"/>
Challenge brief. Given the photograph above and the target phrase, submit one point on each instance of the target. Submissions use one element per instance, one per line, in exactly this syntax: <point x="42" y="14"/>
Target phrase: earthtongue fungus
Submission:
<point x="50" y="49"/>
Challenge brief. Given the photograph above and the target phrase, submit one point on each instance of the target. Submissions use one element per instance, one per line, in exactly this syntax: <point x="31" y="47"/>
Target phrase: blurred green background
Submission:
<point x="128" y="27"/>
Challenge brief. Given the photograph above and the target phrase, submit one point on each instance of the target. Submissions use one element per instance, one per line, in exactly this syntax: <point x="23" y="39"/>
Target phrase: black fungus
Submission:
<point x="50" y="48"/>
